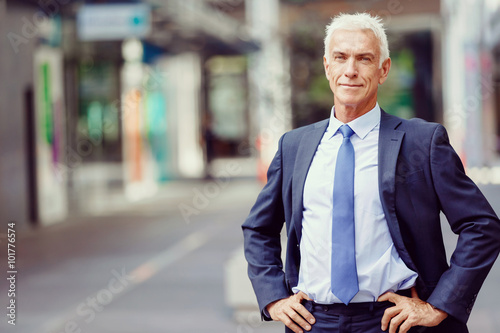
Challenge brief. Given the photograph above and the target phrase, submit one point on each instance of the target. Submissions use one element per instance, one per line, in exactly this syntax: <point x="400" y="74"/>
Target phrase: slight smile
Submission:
<point x="351" y="85"/>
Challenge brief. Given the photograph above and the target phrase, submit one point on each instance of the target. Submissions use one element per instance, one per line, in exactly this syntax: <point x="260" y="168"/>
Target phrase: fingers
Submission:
<point x="396" y="321"/>
<point x="300" y="309"/>
<point x="405" y="327"/>
<point x="409" y="312"/>
<point x="296" y="319"/>
<point x="389" y="296"/>
<point x="392" y="311"/>
<point x="291" y="324"/>
<point x="302" y="296"/>
<point x="304" y="315"/>
<point x="389" y="313"/>
<point x="292" y="313"/>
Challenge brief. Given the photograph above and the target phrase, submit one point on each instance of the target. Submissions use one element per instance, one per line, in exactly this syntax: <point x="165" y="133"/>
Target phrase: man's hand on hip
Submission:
<point x="409" y="312"/>
<point x="292" y="313"/>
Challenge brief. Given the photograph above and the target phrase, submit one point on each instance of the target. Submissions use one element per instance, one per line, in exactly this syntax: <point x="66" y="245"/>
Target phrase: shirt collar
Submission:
<point x="361" y="125"/>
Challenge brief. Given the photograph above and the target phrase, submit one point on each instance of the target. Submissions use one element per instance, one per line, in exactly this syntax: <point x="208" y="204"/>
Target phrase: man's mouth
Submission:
<point x="350" y="85"/>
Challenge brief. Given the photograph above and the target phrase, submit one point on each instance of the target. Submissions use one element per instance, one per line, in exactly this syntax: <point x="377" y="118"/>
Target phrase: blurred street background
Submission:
<point x="135" y="136"/>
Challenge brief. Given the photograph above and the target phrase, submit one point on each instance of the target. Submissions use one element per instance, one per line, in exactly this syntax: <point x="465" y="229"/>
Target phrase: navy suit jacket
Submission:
<point x="420" y="175"/>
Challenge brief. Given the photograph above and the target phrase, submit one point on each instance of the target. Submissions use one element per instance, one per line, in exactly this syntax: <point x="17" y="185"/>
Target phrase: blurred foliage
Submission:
<point x="312" y="98"/>
<point x="396" y="94"/>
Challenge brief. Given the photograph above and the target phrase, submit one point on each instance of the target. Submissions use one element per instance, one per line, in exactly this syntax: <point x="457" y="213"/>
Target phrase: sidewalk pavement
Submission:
<point x="155" y="265"/>
<point x="161" y="265"/>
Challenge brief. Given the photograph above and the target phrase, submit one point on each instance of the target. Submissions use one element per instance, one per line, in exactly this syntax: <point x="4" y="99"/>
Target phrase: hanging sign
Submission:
<point x="113" y="21"/>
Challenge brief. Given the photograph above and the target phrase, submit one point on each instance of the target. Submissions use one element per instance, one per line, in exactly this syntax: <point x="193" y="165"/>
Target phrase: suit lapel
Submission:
<point x="390" y="140"/>
<point x="305" y="153"/>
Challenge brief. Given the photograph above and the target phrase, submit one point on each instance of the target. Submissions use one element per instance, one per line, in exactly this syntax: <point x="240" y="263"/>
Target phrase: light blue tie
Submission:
<point x="344" y="273"/>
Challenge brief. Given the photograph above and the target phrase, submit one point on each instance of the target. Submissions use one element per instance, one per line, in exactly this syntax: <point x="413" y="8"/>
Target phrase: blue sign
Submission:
<point x="113" y="21"/>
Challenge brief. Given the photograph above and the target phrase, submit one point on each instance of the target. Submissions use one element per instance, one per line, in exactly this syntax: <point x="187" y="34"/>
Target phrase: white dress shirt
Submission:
<point x="379" y="266"/>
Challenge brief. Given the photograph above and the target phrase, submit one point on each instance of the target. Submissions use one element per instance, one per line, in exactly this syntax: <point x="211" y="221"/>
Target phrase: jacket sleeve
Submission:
<point x="262" y="240"/>
<point x="472" y="218"/>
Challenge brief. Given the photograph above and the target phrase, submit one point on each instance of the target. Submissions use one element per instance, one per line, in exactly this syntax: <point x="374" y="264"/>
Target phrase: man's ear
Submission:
<point x="327" y="67"/>
<point x="384" y="70"/>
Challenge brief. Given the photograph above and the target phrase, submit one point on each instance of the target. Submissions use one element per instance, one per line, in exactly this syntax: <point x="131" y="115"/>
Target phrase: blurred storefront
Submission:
<point x="471" y="67"/>
<point x="113" y="99"/>
<point x="33" y="117"/>
<point x="123" y="96"/>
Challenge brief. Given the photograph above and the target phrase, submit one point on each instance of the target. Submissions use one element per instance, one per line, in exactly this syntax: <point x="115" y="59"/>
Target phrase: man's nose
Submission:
<point x="351" y="70"/>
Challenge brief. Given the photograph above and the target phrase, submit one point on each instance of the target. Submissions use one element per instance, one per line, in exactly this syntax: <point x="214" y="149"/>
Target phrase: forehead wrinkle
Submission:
<point x="359" y="42"/>
<point x="355" y="53"/>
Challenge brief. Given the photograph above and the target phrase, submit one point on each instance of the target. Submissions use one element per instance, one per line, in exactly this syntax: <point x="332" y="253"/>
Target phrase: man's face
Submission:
<point x="353" y="69"/>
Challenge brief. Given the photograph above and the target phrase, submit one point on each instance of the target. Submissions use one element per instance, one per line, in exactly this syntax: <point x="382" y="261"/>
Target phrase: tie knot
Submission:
<point x="346" y="131"/>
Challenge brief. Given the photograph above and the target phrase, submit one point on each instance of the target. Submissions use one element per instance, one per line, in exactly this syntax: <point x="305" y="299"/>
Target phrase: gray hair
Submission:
<point x="358" y="21"/>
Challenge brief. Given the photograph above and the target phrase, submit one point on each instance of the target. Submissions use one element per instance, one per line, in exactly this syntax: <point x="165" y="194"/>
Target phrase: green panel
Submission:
<point x="47" y="111"/>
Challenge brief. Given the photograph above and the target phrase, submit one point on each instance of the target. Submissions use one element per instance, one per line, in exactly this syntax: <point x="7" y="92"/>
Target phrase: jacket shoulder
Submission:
<point x="298" y="133"/>
<point x="419" y="123"/>
<point x="413" y="126"/>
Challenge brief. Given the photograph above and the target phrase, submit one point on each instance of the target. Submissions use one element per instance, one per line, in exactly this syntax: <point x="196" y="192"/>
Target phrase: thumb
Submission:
<point x="302" y="295"/>
<point x="388" y="296"/>
<point x="414" y="293"/>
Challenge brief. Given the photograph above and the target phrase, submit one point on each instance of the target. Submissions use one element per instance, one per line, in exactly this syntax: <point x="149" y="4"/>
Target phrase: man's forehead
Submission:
<point x="357" y="40"/>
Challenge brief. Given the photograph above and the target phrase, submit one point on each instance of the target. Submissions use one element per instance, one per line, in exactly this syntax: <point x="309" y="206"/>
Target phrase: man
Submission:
<point x="361" y="195"/>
